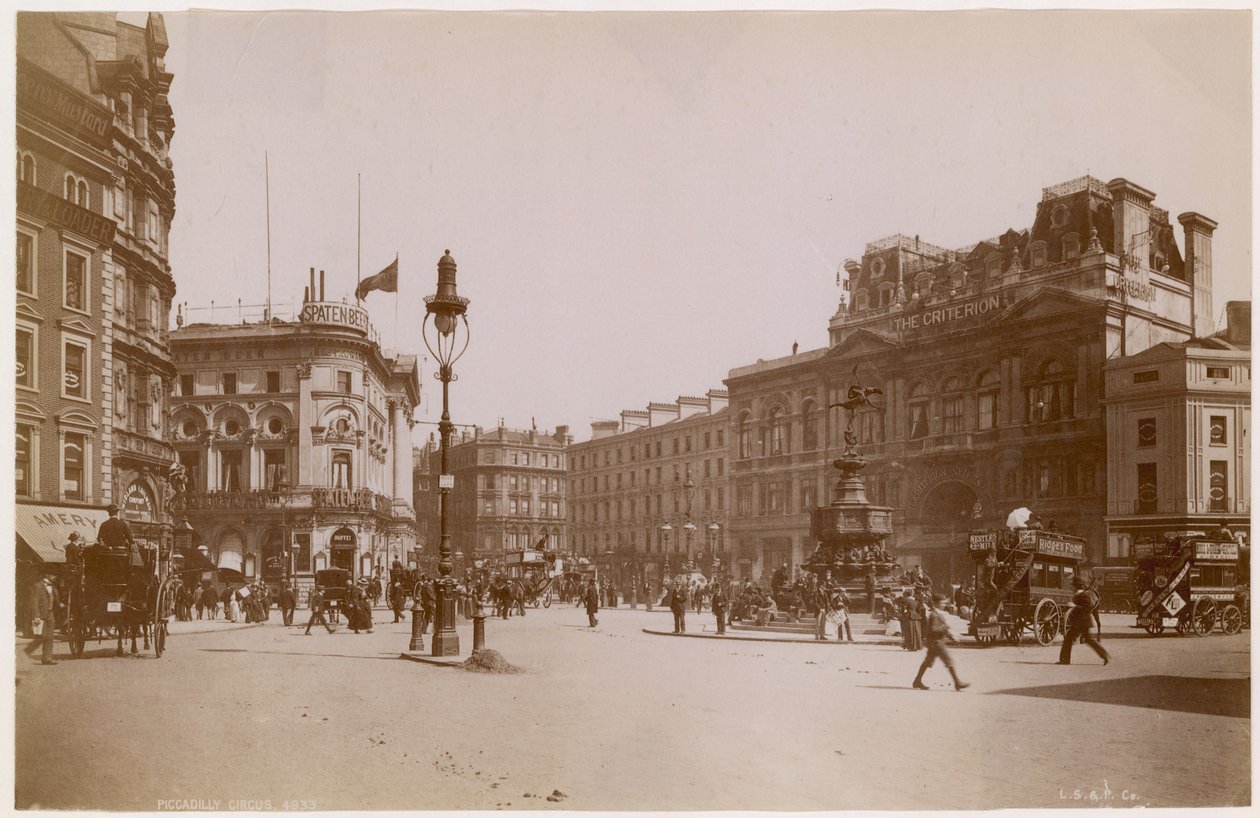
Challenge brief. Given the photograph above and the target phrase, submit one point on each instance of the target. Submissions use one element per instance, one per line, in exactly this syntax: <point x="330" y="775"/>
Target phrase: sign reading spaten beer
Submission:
<point x="346" y="316"/>
<point x="1225" y="551"/>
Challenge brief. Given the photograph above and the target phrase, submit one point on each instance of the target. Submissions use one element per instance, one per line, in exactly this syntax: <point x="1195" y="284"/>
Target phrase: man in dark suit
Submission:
<point x="678" y="607"/>
<point x="316" y="602"/>
<point x="44" y="603"/>
<point x="1080" y="619"/>
<point x="717" y="601"/>
<point x="114" y="533"/>
<point x="937" y="634"/>
<point x="428" y="601"/>
<point x="288" y="602"/>
<point x="592" y="603"/>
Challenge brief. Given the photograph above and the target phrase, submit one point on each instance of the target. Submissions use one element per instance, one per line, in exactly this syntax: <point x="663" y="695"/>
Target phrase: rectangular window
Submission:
<point x="26" y="357"/>
<point x="524" y="458"/>
<point x="1147" y="432"/>
<point x="511" y="482"/>
<point x="512" y="507"/>
<point x="186" y="386"/>
<point x="658" y="448"/>
<point x="918" y="420"/>
<point x="688" y="445"/>
<point x="1216" y="431"/>
<point x="73" y="464"/>
<point x="74" y="376"/>
<point x="721" y="495"/>
<point x="555" y="508"/>
<point x="487" y="507"/>
<point x="809" y="495"/>
<point x="76" y="282"/>
<point x="273" y="382"/>
<point x="525" y="507"/>
<point x="190" y="459"/>
<point x="721" y="438"/>
<point x="275" y="468"/>
<point x="1146" y="376"/>
<point x="343" y="382"/>
<point x="229" y="383"/>
<point x="25" y="263"/>
<point x="953" y="408"/>
<point x="777" y="504"/>
<point x="706" y="440"/>
<point x="513" y="458"/>
<point x="1218" y="372"/>
<point x="743" y="500"/>
<point x="1218" y="485"/>
<point x="1147" y="488"/>
<point x="987" y="408"/>
<point x="22" y="467"/>
<point x="721" y="466"/>
<point x="230" y="470"/>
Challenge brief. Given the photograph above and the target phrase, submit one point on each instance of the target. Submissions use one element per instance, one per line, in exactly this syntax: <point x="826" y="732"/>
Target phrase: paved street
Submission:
<point x="617" y="719"/>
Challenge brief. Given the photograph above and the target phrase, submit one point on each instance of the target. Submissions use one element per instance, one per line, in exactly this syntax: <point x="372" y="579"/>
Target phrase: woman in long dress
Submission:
<point x="234" y="607"/>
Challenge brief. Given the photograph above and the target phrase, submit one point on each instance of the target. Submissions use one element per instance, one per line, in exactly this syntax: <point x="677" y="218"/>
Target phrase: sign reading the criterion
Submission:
<point x="946" y="314"/>
<point x="340" y="315"/>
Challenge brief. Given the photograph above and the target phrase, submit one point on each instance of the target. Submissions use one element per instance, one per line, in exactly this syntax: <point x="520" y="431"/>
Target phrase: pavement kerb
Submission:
<point x="728" y="638"/>
<point x="429" y="660"/>
<point x="176" y="629"/>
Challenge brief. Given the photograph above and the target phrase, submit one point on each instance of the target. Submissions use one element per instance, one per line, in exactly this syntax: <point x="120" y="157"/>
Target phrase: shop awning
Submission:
<point x="46" y="529"/>
<point x="194" y="560"/>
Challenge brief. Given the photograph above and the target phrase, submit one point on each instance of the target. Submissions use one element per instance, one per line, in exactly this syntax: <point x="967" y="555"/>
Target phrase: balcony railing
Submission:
<point x="364" y="500"/>
<point x="235" y="500"/>
<point x="351" y="500"/>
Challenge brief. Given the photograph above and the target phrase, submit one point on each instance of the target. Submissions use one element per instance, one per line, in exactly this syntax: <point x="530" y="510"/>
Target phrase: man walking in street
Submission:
<point x="44" y="603"/>
<point x="1079" y="619"/>
<point x="316" y="603"/>
<point x="428" y="601"/>
<point x="937" y="633"/>
<point x="592" y="603"/>
<point x="678" y="606"/>
<point x="288" y="602"/>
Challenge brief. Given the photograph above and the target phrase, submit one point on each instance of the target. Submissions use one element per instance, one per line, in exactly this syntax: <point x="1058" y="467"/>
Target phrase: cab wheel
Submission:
<point x="1231" y="620"/>
<point x="1155" y="628"/>
<point x="1047" y="621"/>
<point x="1203" y="616"/>
<point x="1013" y="632"/>
<point x="546" y="600"/>
<point x="159" y="639"/>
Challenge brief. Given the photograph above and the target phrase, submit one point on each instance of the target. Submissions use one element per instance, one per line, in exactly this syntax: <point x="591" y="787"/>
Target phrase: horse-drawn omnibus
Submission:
<point x="116" y="594"/>
<point x="530" y="574"/>
<point x="1023" y="583"/>
<point x="1190" y="582"/>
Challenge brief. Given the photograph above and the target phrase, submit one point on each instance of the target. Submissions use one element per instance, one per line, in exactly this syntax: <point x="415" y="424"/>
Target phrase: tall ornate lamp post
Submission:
<point x="447" y="309"/>
<point x="286" y="538"/>
<point x="666" y="530"/>
<point x="713" y="539"/>
<point x="689" y="492"/>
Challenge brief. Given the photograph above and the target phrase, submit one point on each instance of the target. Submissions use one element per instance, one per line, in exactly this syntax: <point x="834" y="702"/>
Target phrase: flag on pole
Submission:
<point x="385" y="281"/>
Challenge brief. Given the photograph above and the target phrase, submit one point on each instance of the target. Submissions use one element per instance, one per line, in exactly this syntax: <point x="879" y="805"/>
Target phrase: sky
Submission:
<point x="639" y="203"/>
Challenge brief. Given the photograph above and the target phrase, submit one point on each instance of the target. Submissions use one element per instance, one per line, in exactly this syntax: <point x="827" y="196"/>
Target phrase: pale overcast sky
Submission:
<point x="639" y="203"/>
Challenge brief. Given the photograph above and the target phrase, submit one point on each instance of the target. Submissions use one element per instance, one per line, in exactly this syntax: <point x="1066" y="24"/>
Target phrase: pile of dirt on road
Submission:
<point x="489" y="661"/>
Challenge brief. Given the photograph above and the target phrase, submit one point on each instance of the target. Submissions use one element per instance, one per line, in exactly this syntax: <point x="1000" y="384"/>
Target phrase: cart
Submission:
<point x="1189" y="582"/>
<point x="531" y="575"/>
<point x="1023" y="583"/>
<point x="116" y="593"/>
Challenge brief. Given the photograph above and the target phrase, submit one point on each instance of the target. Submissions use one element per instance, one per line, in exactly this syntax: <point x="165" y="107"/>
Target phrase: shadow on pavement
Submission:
<point x="1186" y="694"/>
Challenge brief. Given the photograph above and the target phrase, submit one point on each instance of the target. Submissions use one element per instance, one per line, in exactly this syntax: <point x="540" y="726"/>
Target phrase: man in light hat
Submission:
<point x="937" y="633"/>
<point x="1080" y="616"/>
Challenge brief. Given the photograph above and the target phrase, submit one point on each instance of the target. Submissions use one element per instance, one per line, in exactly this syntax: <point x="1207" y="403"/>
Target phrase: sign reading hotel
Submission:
<point x="346" y="316"/>
<point x="939" y="316"/>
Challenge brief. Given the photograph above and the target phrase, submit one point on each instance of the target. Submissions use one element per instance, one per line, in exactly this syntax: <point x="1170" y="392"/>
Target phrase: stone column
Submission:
<point x="305" y="418"/>
<point x="401" y="451"/>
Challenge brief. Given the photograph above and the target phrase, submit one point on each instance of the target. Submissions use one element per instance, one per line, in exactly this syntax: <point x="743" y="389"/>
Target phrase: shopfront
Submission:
<point x="342" y="545"/>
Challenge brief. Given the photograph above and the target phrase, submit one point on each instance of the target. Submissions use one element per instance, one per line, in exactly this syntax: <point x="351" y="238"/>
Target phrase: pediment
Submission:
<point x="1047" y="302"/>
<point x="28" y="312"/>
<point x="76" y="325"/>
<point x="861" y="342"/>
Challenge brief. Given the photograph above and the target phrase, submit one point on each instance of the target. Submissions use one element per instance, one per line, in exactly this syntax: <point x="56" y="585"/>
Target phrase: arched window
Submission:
<point x="778" y="432"/>
<point x="1052" y="395"/>
<point x="987" y="390"/>
<point x="809" y="426"/>
<point x="744" y="433"/>
<point x="81" y="193"/>
<point x="26" y="168"/>
<point x="918" y="406"/>
<point x="952" y="405"/>
<point x="69" y="188"/>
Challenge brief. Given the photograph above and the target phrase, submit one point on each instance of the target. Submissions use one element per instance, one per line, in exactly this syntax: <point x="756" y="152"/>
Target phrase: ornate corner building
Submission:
<point x="294" y="439"/>
<point x="990" y="362"/>
<point x="95" y="199"/>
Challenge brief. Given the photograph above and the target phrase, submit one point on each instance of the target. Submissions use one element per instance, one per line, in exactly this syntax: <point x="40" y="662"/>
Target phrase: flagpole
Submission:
<point x="267" y="188"/>
<point x="395" y="302"/>
<point x="358" y="241"/>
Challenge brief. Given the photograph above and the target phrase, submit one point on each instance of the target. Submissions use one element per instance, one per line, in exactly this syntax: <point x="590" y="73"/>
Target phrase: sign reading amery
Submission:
<point x="44" y="205"/>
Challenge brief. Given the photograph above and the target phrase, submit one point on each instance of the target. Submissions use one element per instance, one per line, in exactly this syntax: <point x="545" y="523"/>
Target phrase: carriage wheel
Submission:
<point x="1046" y="621"/>
<point x="1231" y="620"/>
<point x="546" y="600"/>
<point x="159" y="639"/>
<point x="1155" y="628"/>
<point x="1203" y="616"/>
<point x="1013" y="632"/>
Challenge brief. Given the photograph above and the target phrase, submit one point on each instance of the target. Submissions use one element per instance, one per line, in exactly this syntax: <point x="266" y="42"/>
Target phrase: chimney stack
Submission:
<point x="321" y="285"/>
<point x="1199" y="230"/>
<point x="312" y="283"/>
<point x="1131" y="209"/>
<point x="1238" y="322"/>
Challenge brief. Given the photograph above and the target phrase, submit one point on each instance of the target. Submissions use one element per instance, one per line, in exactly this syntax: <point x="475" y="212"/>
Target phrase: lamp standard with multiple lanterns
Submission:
<point x="448" y="311"/>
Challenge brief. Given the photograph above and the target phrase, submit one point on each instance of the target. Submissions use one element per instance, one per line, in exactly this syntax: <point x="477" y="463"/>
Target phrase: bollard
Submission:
<point x="479" y="631"/>
<point x="417" y="632"/>
<point x="634" y="597"/>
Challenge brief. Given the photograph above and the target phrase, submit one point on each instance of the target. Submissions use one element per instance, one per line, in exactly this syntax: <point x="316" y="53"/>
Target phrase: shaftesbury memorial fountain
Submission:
<point x="851" y="531"/>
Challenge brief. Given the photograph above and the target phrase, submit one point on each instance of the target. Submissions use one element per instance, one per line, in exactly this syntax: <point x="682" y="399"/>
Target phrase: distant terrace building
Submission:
<point x="629" y="481"/>
<point x="990" y="359"/>
<point x="302" y="427"/>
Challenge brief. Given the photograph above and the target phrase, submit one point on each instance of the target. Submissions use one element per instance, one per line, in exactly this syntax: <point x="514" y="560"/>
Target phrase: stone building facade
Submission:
<point x="95" y="199"/>
<point x="631" y="480"/>
<point x="509" y="493"/>
<point x="1179" y="437"/>
<point x="989" y="360"/>
<point x="296" y="433"/>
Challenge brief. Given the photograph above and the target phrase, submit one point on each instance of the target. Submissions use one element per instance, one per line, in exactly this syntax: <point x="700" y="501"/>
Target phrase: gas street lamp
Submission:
<point x="666" y="530"/>
<point x="713" y="538"/>
<point x="447" y="309"/>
